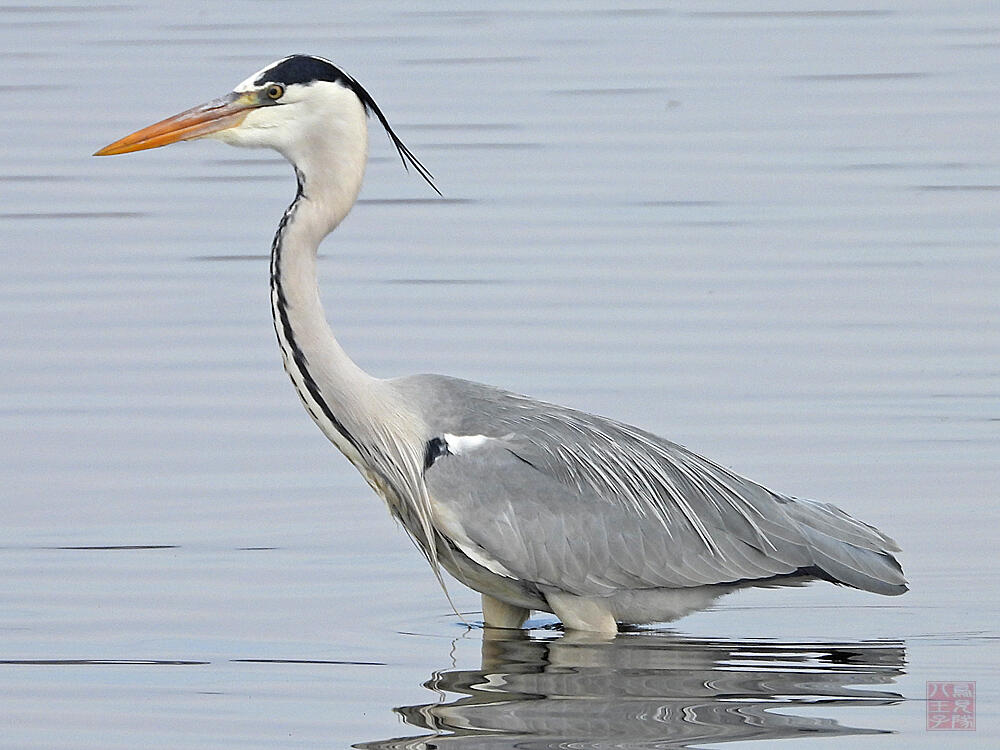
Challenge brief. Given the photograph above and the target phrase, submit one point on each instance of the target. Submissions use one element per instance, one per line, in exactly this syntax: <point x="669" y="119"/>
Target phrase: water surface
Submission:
<point x="770" y="234"/>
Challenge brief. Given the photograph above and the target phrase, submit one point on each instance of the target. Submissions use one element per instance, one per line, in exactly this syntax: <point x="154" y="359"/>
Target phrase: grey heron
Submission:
<point x="534" y="505"/>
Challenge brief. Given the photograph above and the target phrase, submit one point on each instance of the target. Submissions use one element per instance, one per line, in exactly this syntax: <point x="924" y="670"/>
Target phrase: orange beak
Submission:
<point x="211" y="117"/>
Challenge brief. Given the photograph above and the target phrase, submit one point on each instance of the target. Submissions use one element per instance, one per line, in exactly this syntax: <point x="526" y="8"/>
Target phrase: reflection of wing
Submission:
<point x="591" y="506"/>
<point x="656" y="690"/>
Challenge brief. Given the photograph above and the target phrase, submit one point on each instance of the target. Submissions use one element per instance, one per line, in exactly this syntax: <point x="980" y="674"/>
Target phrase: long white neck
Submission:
<point x="337" y="393"/>
<point x="367" y="418"/>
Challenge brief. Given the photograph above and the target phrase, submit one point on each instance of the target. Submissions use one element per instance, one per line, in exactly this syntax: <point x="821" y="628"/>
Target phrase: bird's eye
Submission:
<point x="275" y="91"/>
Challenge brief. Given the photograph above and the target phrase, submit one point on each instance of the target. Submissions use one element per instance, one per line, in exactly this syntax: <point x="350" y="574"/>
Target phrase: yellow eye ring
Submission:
<point x="274" y="91"/>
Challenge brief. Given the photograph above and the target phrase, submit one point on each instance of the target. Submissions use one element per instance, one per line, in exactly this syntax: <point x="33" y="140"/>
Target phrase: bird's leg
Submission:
<point x="498" y="614"/>
<point x="582" y="613"/>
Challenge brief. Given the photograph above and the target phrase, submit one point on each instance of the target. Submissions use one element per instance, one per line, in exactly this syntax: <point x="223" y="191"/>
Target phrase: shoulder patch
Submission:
<point x="451" y="445"/>
<point x="464" y="443"/>
<point x="436" y="448"/>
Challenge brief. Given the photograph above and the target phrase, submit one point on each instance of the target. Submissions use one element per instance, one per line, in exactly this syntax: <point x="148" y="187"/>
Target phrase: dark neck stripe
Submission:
<point x="281" y="320"/>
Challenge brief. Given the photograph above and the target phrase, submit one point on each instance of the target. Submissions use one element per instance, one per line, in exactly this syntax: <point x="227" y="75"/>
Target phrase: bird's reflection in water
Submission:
<point x="648" y="690"/>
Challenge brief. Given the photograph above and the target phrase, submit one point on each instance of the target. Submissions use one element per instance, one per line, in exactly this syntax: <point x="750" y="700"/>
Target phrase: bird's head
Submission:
<point x="296" y="106"/>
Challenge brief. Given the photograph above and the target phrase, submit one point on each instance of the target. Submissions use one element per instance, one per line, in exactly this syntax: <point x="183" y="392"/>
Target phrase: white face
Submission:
<point x="296" y="116"/>
<point x="303" y="107"/>
<point x="300" y="120"/>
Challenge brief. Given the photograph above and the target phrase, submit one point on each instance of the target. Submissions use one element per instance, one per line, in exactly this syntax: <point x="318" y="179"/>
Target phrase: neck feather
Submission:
<point x="334" y="390"/>
<point x="329" y="165"/>
<point x="364" y="416"/>
<point x="367" y="418"/>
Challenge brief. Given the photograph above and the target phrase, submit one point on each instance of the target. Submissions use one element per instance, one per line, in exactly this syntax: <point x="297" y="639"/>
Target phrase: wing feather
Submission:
<point x="592" y="506"/>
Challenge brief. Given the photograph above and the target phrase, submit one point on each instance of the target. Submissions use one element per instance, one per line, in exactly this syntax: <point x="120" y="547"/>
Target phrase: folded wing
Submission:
<point x="591" y="506"/>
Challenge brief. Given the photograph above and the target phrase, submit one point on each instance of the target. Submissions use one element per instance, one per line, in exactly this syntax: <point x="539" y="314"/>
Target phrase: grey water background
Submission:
<point x="768" y="231"/>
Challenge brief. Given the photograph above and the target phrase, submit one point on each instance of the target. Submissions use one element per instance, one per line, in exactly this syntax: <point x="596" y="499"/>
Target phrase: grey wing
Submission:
<point x="592" y="506"/>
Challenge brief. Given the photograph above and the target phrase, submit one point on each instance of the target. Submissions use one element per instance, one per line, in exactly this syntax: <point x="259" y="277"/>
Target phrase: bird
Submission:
<point x="536" y="506"/>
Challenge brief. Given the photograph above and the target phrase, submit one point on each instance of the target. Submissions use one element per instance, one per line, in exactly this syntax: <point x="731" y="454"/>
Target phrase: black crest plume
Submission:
<point x="306" y="69"/>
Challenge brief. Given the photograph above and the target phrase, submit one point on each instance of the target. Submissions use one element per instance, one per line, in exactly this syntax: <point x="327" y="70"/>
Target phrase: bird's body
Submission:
<point x="534" y="505"/>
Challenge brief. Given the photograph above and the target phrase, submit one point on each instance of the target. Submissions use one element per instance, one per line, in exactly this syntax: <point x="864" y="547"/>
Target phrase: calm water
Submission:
<point x="770" y="235"/>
